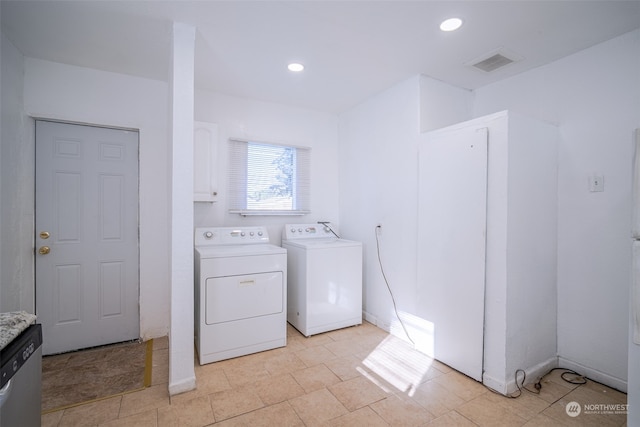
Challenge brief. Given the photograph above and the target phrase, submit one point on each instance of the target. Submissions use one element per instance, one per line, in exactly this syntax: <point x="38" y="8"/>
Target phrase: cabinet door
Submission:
<point x="451" y="246"/>
<point x="205" y="159"/>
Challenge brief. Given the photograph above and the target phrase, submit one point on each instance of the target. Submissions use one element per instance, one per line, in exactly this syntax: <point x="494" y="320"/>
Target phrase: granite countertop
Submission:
<point x="12" y="324"/>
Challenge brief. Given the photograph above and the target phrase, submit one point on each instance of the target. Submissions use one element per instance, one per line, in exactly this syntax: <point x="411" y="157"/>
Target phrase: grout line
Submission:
<point x="99" y="399"/>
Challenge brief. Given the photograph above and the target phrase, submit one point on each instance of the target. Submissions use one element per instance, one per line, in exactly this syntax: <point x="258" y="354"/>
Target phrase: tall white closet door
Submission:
<point x="635" y="286"/>
<point x="635" y="293"/>
<point x="451" y="244"/>
<point x="635" y="225"/>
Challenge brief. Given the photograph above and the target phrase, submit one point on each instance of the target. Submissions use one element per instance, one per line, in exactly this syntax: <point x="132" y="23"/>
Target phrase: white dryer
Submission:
<point x="324" y="279"/>
<point x="240" y="293"/>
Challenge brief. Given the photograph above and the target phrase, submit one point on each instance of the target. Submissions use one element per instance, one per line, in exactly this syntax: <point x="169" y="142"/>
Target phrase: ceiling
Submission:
<point x="352" y="49"/>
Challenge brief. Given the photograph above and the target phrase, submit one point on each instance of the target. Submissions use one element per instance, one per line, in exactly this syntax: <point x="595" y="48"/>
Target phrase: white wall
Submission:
<point x="244" y="118"/>
<point x="531" y="250"/>
<point x="594" y="97"/>
<point x="442" y="104"/>
<point x="16" y="172"/>
<point x="379" y="185"/>
<point x="70" y="93"/>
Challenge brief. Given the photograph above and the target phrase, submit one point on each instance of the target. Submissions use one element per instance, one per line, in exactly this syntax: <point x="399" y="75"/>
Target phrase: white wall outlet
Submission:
<point x="596" y="183"/>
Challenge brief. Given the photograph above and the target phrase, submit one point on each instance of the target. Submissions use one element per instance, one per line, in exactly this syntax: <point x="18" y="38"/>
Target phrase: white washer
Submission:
<point x="324" y="279"/>
<point x="240" y="293"/>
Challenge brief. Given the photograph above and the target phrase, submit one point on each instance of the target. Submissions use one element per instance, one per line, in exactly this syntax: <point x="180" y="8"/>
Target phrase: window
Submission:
<point x="268" y="179"/>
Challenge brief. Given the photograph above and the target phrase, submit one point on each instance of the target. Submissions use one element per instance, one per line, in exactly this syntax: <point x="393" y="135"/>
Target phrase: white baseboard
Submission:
<point x="182" y="386"/>
<point x="370" y="318"/>
<point x="377" y="322"/>
<point x="533" y="373"/>
<point x="594" y="374"/>
<point x="494" y="384"/>
<point x="398" y="330"/>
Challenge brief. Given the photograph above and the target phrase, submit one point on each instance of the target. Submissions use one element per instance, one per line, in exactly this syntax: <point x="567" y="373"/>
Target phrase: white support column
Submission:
<point x="181" y="373"/>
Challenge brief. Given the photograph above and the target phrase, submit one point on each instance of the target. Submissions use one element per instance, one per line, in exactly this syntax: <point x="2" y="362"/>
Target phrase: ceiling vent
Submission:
<point x="494" y="60"/>
<point x="493" y="63"/>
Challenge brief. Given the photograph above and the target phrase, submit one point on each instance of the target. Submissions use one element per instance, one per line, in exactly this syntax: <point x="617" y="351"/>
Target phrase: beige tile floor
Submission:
<point x="359" y="376"/>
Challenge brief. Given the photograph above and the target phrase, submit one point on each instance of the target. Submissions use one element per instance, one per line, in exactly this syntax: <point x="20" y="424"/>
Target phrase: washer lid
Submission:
<point x="321" y="243"/>
<point x="224" y="251"/>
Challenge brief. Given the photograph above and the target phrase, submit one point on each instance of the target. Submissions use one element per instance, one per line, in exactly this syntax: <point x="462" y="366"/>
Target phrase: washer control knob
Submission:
<point x="293" y="230"/>
<point x="251" y="233"/>
<point x="299" y="230"/>
<point x="208" y="235"/>
<point x="259" y="233"/>
<point x="243" y="234"/>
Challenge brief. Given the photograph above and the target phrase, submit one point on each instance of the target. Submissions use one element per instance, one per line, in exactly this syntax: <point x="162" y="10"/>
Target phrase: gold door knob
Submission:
<point x="44" y="235"/>
<point x="44" y="250"/>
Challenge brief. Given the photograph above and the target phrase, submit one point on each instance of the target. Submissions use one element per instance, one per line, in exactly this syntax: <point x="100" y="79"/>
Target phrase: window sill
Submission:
<point x="269" y="213"/>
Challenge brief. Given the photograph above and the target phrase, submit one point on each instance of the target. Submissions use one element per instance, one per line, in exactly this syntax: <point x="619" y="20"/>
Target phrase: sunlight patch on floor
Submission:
<point x="396" y="362"/>
<point x="421" y="332"/>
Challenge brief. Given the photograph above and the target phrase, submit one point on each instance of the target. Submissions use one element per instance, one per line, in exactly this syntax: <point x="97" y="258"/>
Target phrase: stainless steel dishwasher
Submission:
<point x="21" y="379"/>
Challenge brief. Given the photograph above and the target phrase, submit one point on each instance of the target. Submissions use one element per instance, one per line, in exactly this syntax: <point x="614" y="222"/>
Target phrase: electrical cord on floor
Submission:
<point x="521" y="385"/>
<point x="395" y="308"/>
<point x="578" y="380"/>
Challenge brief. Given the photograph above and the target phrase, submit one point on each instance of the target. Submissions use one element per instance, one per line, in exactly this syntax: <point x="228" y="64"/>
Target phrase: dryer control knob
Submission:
<point x="243" y="234"/>
<point x="251" y="233"/>
<point x="208" y="235"/>
<point x="293" y="230"/>
<point x="259" y="233"/>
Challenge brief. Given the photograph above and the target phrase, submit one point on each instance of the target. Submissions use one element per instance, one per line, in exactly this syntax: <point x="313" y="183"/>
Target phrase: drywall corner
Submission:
<point x="442" y="104"/>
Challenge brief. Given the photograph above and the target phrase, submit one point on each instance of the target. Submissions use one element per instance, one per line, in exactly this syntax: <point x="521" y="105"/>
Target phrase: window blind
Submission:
<point x="268" y="179"/>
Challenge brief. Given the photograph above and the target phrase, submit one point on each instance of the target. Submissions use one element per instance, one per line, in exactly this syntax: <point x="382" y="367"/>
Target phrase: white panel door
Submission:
<point x="451" y="245"/>
<point x="86" y="235"/>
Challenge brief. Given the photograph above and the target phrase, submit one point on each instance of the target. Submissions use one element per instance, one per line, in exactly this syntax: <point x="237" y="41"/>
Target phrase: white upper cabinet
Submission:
<point x="205" y="161"/>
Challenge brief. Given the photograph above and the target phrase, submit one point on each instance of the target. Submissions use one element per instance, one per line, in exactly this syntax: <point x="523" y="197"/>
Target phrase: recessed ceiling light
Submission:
<point x="451" y="24"/>
<point x="296" y="67"/>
